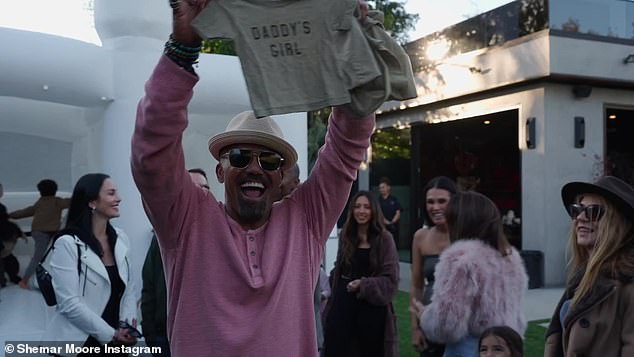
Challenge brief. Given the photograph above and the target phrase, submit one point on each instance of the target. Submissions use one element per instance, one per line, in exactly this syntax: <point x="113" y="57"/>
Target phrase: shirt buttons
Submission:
<point x="252" y="253"/>
<point x="255" y="266"/>
<point x="251" y="239"/>
<point x="584" y="323"/>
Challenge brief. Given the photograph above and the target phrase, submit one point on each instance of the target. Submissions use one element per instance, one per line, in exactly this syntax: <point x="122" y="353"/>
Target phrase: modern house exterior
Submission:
<point x="514" y="103"/>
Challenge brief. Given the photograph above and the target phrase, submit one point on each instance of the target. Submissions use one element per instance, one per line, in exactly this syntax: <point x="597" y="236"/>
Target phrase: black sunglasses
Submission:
<point x="593" y="212"/>
<point x="240" y="158"/>
<point x="132" y="331"/>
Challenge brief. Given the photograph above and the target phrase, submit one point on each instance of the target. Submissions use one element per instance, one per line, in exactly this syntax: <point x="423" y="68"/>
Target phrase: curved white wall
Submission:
<point x="53" y="69"/>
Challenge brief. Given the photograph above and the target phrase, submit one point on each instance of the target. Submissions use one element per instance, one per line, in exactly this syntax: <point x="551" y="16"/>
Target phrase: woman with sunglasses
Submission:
<point x="90" y="271"/>
<point x="595" y="316"/>
<point x="427" y="245"/>
<point x="360" y="319"/>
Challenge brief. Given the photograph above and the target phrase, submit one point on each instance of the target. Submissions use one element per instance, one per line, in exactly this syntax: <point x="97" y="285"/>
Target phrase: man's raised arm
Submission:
<point x="158" y="164"/>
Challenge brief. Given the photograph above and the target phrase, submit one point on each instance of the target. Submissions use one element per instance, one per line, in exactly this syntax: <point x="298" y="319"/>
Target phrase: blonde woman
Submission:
<point x="595" y="316"/>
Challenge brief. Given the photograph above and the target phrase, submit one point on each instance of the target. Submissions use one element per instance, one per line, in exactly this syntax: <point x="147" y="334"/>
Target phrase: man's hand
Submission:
<point x="184" y="11"/>
<point x="363" y="9"/>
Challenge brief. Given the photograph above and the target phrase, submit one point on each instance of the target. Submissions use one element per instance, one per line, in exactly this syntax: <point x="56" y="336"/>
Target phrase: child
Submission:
<point x="46" y="213"/>
<point x="501" y="341"/>
<point x="9" y="234"/>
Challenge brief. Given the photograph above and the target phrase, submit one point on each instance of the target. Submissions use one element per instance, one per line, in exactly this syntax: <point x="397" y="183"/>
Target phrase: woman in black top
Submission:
<point x="360" y="318"/>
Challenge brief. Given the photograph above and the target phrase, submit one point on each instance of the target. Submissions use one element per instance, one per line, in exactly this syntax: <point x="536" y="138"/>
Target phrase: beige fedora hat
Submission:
<point x="245" y="128"/>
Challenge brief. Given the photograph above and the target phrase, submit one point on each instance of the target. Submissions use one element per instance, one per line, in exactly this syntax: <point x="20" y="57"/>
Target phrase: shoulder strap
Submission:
<point x="52" y="246"/>
<point x="78" y="260"/>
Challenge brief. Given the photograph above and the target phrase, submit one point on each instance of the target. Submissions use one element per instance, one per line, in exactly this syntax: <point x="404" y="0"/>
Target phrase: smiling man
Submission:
<point x="240" y="274"/>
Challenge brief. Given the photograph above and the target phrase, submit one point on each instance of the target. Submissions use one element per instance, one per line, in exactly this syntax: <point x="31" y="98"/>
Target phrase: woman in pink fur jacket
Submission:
<point x="480" y="279"/>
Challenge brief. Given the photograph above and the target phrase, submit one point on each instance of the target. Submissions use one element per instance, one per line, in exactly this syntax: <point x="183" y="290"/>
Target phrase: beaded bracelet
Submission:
<point x="175" y="49"/>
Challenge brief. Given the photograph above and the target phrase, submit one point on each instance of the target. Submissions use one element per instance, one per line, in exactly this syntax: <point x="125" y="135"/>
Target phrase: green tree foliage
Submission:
<point x="219" y="47"/>
<point x="391" y="144"/>
<point x="397" y="21"/>
<point x="317" y="122"/>
<point x="533" y="16"/>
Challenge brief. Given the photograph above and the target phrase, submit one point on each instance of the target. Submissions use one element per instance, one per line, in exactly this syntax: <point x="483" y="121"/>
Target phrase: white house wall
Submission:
<point x="601" y="60"/>
<point x="515" y="61"/>
<point x="564" y="163"/>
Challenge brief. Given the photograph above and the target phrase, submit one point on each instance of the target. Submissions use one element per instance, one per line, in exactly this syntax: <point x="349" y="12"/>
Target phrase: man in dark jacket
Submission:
<point x="154" y="293"/>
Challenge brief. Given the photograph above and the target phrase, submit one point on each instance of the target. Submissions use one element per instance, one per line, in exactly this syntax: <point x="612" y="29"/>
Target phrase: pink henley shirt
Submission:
<point x="232" y="291"/>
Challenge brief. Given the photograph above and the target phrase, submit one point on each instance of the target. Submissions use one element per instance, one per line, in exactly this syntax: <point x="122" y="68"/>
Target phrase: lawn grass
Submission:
<point x="533" y="338"/>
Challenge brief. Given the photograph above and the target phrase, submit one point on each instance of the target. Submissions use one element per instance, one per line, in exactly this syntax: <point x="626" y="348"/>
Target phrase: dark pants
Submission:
<point x="393" y="229"/>
<point x="159" y="341"/>
<point x="11" y="267"/>
<point x="354" y="327"/>
<point x="433" y="350"/>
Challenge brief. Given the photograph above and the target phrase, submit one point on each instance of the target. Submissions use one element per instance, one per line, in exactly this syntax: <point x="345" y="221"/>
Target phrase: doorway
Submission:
<point x="619" y="151"/>
<point x="479" y="153"/>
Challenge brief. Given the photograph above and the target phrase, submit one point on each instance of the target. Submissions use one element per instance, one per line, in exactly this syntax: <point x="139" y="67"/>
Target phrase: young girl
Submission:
<point x="501" y="341"/>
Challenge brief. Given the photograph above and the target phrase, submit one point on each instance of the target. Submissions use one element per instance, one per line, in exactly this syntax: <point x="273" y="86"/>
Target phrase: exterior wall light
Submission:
<point x="530" y="133"/>
<point x="580" y="132"/>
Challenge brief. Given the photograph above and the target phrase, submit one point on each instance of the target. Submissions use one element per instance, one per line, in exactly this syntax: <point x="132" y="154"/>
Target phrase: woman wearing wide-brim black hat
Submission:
<point x="595" y="316"/>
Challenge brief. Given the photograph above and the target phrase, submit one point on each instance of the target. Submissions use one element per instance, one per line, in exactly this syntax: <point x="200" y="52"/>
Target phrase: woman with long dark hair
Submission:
<point x="360" y="319"/>
<point x="90" y="270"/>
<point x="595" y="316"/>
<point x="429" y="241"/>
<point x="480" y="279"/>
